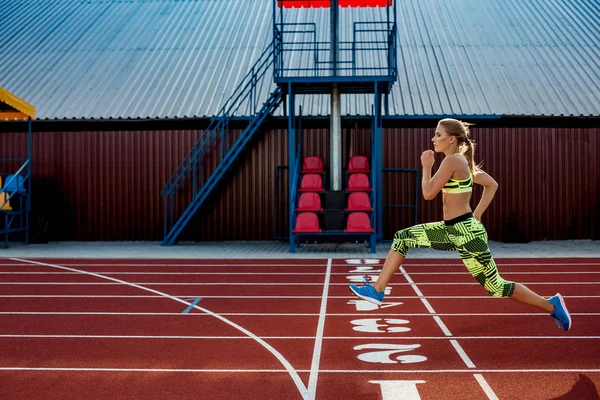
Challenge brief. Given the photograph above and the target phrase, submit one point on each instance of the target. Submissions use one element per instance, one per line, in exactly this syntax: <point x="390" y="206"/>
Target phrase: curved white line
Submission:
<point x="311" y="392"/>
<point x="294" y="375"/>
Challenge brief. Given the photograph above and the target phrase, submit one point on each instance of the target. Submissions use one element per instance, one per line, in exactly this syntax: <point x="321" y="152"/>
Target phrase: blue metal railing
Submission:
<point x="23" y="175"/>
<point x="244" y="91"/>
<point x="17" y="175"/>
<point x="294" y="189"/>
<point x="372" y="51"/>
<point x="186" y="189"/>
<point x="293" y="194"/>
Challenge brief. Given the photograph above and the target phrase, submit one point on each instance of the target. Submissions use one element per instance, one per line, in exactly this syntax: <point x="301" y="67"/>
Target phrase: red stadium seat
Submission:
<point x="311" y="183"/>
<point x="303" y="3"/>
<point x="359" y="201"/>
<point x="312" y="164"/>
<point x="359" y="183"/>
<point x="359" y="222"/>
<point x="327" y="3"/>
<point x="309" y="202"/>
<point x="307" y="223"/>
<point x="358" y="164"/>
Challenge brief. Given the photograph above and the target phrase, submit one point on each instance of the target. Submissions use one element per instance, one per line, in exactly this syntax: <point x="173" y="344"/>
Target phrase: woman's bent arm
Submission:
<point x="489" y="190"/>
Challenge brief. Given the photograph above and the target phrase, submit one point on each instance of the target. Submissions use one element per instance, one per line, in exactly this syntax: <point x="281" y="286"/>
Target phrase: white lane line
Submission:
<point x="177" y="296"/>
<point x="445" y="371"/>
<point x="438" y="320"/>
<point x="423" y="299"/>
<point x="505" y="273"/>
<point x="31" y="336"/>
<point x="291" y="371"/>
<point x="280" y="273"/>
<point x="154" y="313"/>
<point x="442" y="325"/>
<point x="311" y="392"/>
<point x="528" y="283"/>
<point x="163" y="283"/>
<point x="282" y="263"/>
<point x="142" y="370"/>
<point x="125" y="263"/>
<point x="562" y="283"/>
<point x="486" y="388"/>
<point x="119" y="296"/>
<point x="170" y="273"/>
<point x="508" y="264"/>
<point x="427" y="305"/>
<point x="285" y="314"/>
<point x="83" y="296"/>
<point x="323" y="371"/>
<point x="462" y="354"/>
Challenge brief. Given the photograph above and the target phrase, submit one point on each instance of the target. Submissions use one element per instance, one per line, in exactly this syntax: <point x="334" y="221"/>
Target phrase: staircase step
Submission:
<point x="233" y="154"/>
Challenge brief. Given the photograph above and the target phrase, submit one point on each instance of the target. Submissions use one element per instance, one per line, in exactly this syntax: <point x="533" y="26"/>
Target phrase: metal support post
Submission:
<point x="377" y="162"/>
<point x="291" y="159"/>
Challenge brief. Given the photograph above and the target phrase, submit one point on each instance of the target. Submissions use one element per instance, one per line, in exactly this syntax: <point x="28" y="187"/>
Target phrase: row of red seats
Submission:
<point x="358" y="182"/>
<point x="314" y="164"/>
<point x="311" y="201"/>
<point x="308" y="222"/>
<point x="358" y="201"/>
<point x="312" y="181"/>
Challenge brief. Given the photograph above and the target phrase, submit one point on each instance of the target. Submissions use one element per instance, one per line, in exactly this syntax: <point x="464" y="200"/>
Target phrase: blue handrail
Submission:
<point x="373" y="36"/>
<point x="244" y="91"/>
<point x="176" y="221"/>
<point x="185" y="187"/>
<point x="294" y="190"/>
<point x="10" y="181"/>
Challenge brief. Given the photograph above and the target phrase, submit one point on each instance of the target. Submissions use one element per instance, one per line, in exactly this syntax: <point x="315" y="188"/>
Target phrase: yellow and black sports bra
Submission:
<point x="459" y="185"/>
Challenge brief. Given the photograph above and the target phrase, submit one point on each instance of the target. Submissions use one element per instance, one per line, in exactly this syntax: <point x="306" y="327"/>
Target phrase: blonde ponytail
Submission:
<point x="461" y="131"/>
<point x="468" y="151"/>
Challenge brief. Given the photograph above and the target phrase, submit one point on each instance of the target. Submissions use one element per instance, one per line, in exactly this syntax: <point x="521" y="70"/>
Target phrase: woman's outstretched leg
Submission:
<point x="392" y="263"/>
<point x="555" y="305"/>
<point x="375" y="292"/>
<point x="524" y="295"/>
<point x="432" y="235"/>
<point x="471" y="239"/>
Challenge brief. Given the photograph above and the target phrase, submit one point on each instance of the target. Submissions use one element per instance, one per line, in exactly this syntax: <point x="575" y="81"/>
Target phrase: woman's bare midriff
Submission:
<point x="456" y="204"/>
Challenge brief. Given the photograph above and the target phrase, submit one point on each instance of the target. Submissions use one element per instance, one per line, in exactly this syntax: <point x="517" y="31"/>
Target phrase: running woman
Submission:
<point x="461" y="229"/>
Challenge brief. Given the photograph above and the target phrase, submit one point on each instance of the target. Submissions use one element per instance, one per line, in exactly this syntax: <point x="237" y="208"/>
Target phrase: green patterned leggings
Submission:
<point x="468" y="237"/>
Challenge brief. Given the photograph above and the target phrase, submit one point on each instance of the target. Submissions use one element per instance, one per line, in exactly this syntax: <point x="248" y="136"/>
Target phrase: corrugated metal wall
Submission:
<point x="548" y="180"/>
<point x="104" y="185"/>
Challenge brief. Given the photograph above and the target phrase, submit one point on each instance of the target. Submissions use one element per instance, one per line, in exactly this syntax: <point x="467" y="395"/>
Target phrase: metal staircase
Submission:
<point x="15" y="202"/>
<point x="195" y="178"/>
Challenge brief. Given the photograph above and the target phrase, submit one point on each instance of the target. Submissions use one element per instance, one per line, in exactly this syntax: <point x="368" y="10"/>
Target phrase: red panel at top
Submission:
<point x="325" y="3"/>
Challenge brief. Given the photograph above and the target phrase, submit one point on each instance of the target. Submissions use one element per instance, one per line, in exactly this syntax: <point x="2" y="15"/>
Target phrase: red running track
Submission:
<point x="289" y="329"/>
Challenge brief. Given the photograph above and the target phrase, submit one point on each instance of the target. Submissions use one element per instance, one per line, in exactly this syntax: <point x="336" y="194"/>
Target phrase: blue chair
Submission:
<point x="14" y="185"/>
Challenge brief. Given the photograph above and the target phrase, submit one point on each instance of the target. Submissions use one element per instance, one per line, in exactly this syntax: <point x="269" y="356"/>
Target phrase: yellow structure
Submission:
<point x="12" y="108"/>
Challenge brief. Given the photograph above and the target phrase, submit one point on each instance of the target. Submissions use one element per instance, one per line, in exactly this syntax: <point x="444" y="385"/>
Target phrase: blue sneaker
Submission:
<point x="367" y="292"/>
<point x="560" y="314"/>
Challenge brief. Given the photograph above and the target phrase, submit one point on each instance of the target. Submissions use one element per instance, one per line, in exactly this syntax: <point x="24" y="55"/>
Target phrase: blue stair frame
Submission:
<point x="17" y="189"/>
<point x="365" y="62"/>
<point x="185" y="191"/>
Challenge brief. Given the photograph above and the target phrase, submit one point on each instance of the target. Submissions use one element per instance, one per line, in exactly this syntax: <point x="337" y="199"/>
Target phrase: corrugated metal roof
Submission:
<point x="183" y="58"/>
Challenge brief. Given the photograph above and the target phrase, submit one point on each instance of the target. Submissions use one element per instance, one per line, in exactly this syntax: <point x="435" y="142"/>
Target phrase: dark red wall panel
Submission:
<point x="104" y="185"/>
